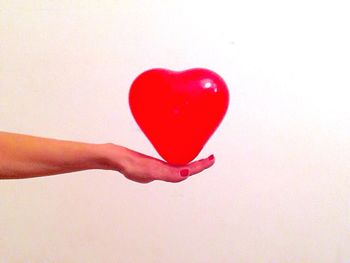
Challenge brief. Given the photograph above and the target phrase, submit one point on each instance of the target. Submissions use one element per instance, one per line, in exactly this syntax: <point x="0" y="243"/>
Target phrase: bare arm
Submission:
<point x="23" y="156"/>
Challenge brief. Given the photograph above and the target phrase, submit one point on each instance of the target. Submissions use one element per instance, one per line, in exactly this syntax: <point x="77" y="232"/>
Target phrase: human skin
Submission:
<point x="24" y="156"/>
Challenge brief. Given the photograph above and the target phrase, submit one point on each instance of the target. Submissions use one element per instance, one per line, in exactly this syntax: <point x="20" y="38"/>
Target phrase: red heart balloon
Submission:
<point x="178" y="111"/>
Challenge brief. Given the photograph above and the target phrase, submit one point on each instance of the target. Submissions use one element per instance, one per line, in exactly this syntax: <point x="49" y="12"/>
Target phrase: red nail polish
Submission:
<point x="184" y="172"/>
<point x="211" y="157"/>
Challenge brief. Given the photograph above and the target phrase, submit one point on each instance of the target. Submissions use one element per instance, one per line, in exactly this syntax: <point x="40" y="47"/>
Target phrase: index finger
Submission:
<point x="200" y="165"/>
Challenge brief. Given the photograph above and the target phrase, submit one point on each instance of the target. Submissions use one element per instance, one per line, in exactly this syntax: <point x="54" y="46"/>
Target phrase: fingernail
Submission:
<point x="184" y="172"/>
<point x="211" y="157"/>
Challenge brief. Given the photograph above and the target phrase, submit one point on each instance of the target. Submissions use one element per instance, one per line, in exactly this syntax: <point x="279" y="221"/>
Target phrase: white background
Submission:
<point x="280" y="189"/>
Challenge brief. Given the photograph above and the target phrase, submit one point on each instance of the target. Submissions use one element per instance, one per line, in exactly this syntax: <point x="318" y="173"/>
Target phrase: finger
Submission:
<point x="200" y="165"/>
<point x="182" y="173"/>
<point x="171" y="174"/>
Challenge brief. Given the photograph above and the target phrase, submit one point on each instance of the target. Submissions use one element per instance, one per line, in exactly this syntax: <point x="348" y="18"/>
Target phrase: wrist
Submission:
<point x="98" y="156"/>
<point x="110" y="156"/>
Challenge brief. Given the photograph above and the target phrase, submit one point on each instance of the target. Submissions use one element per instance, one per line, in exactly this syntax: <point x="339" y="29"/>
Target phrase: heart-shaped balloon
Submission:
<point x="178" y="111"/>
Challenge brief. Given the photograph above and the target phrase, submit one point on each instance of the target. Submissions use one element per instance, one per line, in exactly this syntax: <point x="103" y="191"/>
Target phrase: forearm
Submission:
<point x="23" y="156"/>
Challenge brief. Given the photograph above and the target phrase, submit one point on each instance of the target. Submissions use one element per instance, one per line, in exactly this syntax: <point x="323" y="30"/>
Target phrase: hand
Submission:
<point x="145" y="169"/>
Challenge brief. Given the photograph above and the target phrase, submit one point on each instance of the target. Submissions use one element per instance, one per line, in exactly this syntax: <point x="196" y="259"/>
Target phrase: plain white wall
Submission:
<point x="280" y="189"/>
